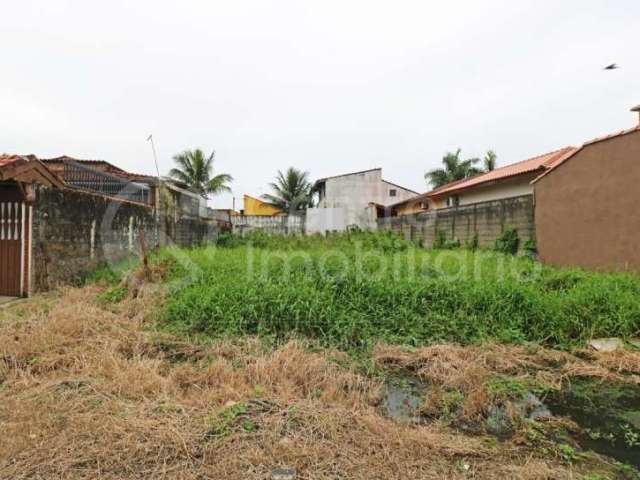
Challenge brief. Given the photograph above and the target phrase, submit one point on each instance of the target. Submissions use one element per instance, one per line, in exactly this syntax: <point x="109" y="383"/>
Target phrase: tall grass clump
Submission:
<point x="354" y="290"/>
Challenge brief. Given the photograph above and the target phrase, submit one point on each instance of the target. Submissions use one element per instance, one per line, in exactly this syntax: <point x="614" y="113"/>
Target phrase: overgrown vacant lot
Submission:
<point x="209" y="370"/>
<point x="356" y="290"/>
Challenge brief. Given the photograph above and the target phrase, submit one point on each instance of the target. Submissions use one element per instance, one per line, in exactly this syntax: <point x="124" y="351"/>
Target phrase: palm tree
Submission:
<point x="490" y="161"/>
<point x="291" y="191"/>
<point x="194" y="169"/>
<point x="454" y="169"/>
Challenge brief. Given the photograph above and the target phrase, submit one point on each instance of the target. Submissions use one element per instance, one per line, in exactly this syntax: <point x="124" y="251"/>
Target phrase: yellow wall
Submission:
<point x="409" y="208"/>
<point x="435" y="203"/>
<point x="413" y="206"/>
<point x="255" y="206"/>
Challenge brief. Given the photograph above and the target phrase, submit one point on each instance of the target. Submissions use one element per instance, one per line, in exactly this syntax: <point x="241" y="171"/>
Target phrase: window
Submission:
<point x="392" y="192"/>
<point x="453" y="201"/>
<point x="424" y="205"/>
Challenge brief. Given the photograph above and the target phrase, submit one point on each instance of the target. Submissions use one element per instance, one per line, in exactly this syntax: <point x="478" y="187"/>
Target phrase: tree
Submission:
<point x="457" y="169"/>
<point x="291" y="191"/>
<point x="194" y="169"/>
<point x="454" y="169"/>
<point x="490" y="161"/>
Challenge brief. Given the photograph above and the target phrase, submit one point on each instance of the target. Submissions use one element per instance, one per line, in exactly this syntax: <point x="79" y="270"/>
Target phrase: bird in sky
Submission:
<point x="613" y="66"/>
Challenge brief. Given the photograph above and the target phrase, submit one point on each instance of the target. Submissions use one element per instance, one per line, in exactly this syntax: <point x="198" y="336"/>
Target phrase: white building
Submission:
<point x="350" y="200"/>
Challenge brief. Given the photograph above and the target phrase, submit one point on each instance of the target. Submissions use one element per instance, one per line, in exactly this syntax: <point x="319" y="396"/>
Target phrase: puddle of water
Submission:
<point x="403" y="399"/>
<point x="608" y="413"/>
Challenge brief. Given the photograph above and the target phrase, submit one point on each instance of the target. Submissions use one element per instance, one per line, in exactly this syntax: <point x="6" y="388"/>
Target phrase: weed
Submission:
<point x="451" y="402"/>
<point x="567" y="452"/>
<point x="631" y="436"/>
<point x="451" y="244"/>
<point x="221" y="423"/>
<point x="113" y="294"/>
<point x="530" y="247"/>
<point x="473" y="243"/>
<point x="356" y="289"/>
<point x="440" y="240"/>
<point x="508" y="242"/>
<point x="501" y="389"/>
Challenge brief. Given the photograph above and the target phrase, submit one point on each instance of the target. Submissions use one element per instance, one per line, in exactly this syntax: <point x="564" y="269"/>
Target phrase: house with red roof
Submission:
<point x="510" y="181"/>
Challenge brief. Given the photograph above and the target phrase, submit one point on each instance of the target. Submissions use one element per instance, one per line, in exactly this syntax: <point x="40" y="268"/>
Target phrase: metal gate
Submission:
<point x="12" y="248"/>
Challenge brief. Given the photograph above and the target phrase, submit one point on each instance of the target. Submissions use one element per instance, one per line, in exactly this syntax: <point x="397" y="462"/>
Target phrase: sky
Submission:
<point x="327" y="86"/>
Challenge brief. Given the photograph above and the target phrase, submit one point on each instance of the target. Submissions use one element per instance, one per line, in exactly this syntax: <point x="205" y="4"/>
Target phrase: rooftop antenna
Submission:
<point x="155" y="156"/>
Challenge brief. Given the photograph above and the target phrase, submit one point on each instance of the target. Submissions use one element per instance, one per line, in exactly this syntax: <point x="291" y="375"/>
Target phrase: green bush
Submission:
<point x="452" y="244"/>
<point x="473" y="243"/>
<point x="530" y="247"/>
<point x="508" y="242"/>
<point x="441" y="239"/>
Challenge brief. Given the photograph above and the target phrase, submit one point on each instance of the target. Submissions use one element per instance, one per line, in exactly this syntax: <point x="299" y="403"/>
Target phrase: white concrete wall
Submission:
<point x="322" y="220"/>
<point x="354" y="192"/>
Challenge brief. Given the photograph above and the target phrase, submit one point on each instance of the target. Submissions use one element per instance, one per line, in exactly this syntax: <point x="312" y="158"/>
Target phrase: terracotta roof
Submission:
<point x="563" y="159"/>
<point x="110" y="167"/>
<point x="64" y="158"/>
<point x="541" y="162"/>
<point x="6" y="160"/>
<point x="17" y="167"/>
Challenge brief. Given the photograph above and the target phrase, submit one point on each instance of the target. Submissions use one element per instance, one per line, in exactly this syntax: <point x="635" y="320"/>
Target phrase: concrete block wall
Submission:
<point x="487" y="219"/>
<point x="75" y="232"/>
<point x="279" y="224"/>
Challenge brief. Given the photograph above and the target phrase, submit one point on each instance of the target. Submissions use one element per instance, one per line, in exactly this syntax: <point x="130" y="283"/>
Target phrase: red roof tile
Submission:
<point x="541" y="162"/>
<point x="564" y="158"/>
<point x="13" y="166"/>
<point x="109" y="168"/>
<point x="6" y="160"/>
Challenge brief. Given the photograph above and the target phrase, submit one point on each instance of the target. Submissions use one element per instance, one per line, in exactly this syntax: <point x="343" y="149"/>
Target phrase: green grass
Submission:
<point x="334" y="290"/>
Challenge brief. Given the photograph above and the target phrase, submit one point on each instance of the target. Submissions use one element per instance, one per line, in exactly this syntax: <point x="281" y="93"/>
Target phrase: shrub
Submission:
<point x="473" y="243"/>
<point x="508" y="242"/>
<point x="530" y="247"/>
<point x="451" y="244"/>
<point x="440" y="240"/>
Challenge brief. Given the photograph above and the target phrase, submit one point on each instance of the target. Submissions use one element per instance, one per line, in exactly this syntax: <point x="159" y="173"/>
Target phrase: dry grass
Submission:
<point x="86" y="392"/>
<point x="468" y="368"/>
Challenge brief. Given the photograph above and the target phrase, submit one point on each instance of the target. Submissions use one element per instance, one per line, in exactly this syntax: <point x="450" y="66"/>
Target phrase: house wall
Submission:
<point x="353" y="193"/>
<point x="515" y="187"/>
<point x="323" y="220"/>
<point x="487" y="219"/>
<point x="255" y="206"/>
<point x="412" y="207"/>
<point x="587" y="208"/>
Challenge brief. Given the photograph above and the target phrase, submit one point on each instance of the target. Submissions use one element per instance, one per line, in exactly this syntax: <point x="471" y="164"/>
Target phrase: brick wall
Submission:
<point x="487" y="219"/>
